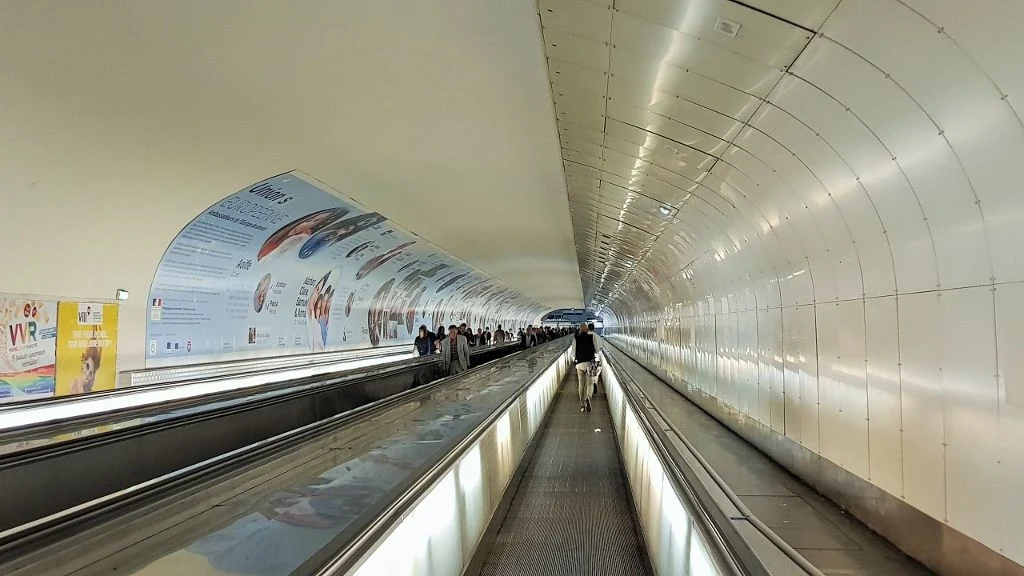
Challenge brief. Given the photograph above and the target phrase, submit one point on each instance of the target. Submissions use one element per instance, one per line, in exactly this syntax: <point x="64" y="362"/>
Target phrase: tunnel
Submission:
<point x="803" y="216"/>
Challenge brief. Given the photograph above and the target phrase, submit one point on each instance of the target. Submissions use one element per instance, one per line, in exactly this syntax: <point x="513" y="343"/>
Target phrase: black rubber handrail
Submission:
<point x="267" y="364"/>
<point x="55" y="427"/>
<point x="287" y="393"/>
<point x="99" y="394"/>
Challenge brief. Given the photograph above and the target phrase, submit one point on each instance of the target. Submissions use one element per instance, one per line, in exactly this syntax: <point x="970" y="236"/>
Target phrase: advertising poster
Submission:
<point x="86" y="347"/>
<point x="287" y="267"/>
<point x="28" y="347"/>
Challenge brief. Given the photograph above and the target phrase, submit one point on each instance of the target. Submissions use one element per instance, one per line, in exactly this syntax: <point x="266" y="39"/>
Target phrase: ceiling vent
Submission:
<point x="727" y="27"/>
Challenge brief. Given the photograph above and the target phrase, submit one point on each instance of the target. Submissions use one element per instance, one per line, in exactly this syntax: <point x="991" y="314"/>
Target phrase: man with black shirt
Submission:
<point x="583" y="352"/>
<point x="528" y="338"/>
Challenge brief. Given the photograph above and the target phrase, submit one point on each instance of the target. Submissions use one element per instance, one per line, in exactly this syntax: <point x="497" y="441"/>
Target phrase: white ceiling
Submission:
<point x="123" y="119"/>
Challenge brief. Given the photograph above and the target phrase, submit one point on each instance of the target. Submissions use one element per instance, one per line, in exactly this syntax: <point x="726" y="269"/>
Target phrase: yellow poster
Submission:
<point x="86" y="347"/>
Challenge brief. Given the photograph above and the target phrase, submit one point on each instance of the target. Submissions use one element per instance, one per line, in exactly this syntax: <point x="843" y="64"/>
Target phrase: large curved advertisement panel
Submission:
<point x="287" y="266"/>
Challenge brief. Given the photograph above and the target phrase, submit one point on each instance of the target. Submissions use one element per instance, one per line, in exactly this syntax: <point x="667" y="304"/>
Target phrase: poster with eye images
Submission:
<point x="287" y="266"/>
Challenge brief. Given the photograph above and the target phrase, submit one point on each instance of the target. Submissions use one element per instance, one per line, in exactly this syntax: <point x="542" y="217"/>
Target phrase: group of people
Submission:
<point x="531" y="336"/>
<point x="453" y="345"/>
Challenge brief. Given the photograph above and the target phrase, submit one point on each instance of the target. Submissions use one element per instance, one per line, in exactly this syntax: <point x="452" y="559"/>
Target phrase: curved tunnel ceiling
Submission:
<point x="815" y="150"/>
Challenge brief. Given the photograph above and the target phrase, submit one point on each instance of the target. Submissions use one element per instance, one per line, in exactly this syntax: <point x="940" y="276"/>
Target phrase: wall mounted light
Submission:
<point x="121" y="294"/>
<point x="665" y="210"/>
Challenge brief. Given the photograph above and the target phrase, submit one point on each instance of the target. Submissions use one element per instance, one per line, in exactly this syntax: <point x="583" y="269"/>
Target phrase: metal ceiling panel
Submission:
<point x="644" y="221"/>
<point x="582" y="147"/>
<point x="577" y="50"/>
<point x="586" y="19"/>
<point x="700" y="117"/>
<point x="593" y="119"/>
<point x="810" y="14"/>
<point x="632" y="211"/>
<point x="580" y="132"/>
<point x="673" y="82"/>
<point x="656" y="149"/>
<point x="622" y="195"/>
<point x="582" y="159"/>
<point x="584" y="104"/>
<point x="642" y="55"/>
<point x="566" y="76"/>
<point x="764" y="38"/>
<point x="619" y="181"/>
<point x="665" y="127"/>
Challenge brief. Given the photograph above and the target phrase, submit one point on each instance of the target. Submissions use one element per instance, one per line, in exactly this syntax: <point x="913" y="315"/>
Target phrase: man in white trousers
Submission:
<point x="598" y="353"/>
<point x="583" y="352"/>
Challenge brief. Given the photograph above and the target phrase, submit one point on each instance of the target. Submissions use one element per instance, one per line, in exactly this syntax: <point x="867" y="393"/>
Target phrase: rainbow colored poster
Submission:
<point x="28" y="348"/>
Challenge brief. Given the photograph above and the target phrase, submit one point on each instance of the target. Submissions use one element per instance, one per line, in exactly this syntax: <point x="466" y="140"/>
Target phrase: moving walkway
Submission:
<point x="288" y="502"/>
<point x="493" y="472"/>
<point x="570" y="511"/>
<point x="113" y="449"/>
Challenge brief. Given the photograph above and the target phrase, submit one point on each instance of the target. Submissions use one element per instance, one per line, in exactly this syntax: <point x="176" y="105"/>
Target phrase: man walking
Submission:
<point x="454" y="352"/>
<point x="583" y="352"/>
<point x="528" y="338"/>
<point x="598" y="353"/>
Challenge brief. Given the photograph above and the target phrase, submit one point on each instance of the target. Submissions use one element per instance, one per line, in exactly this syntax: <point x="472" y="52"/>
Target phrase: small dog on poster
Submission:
<point x="90" y="365"/>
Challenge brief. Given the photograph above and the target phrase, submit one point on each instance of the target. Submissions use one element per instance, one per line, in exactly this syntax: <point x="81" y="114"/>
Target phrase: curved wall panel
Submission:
<point x="812" y="212"/>
<point x="287" y="266"/>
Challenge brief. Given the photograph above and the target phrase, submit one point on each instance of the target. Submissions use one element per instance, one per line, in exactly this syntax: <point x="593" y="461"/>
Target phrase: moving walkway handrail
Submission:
<point x="23" y="538"/>
<point x="203" y="370"/>
<point x="731" y="552"/>
<point x="736" y="501"/>
<point x="356" y="548"/>
<point x="128" y="390"/>
<point x="50" y="427"/>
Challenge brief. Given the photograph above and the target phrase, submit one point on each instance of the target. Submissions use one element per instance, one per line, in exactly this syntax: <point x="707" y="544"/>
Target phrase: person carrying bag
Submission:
<point x="595" y="372"/>
<point x="584" y="353"/>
